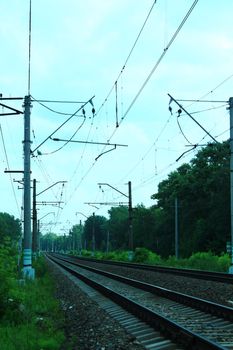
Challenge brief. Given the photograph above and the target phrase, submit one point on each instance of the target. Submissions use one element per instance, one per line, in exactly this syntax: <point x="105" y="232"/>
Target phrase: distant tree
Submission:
<point x="118" y="225"/>
<point x="144" y="227"/>
<point x="203" y="191"/>
<point x="48" y="242"/>
<point x="76" y="233"/>
<point x="9" y="227"/>
<point x="96" y="226"/>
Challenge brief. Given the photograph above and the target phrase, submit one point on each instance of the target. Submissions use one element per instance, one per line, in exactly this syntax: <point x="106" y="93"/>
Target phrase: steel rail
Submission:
<point x="198" y="303"/>
<point x="193" y="273"/>
<point x="172" y="330"/>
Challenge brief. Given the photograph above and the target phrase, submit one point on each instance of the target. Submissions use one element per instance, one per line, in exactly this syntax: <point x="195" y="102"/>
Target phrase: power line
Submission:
<point x="165" y="50"/>
<point x="53" y="110"/>
<point x="58" y="128"/>
<point x="204" y="101"/>
<point x="154" y="68"/>
<point x="160" y="59"/>
<point x="177" y="119"/>
<point x="182" y="108"/>
<point x="58" y="101"/>
<point x="144" y="84"/>
<point x="220" y="84"/>
<point x="7" y="161"/>
<point x="200" y="99"/>
<point x="129" y="55"/>
<point x="66" y="141"/>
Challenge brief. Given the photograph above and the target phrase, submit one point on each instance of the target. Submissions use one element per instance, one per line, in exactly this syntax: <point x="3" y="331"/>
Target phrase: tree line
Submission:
<point x="201" y="189"/>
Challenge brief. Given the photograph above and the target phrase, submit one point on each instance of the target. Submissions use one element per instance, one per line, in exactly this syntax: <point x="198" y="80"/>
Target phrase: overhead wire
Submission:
<point x="61" y="125"/>
<point x="154" y="143"/>
<point x="211" y="91"/>
<point x="165" y="50"/>
<point x="148" y="150"/>
<point x="129" y="55"/>
<point x="114" y="86"/>
<point x="53" y="110"/>
<point x="225" y="80"/>
<point x="94" y="163"/>
<point x="218" y="86"/>
<point x="66" y="142"/>
<point x="7" y="162"/>
<point x="144" y="84"/>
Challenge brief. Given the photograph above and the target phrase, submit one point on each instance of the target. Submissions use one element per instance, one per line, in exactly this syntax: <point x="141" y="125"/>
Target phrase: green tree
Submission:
<point x="202" y="188"/>
<point x="9" y="227"/>
<point x="119" y="227"/>
<point x="145" y="227"/>
<point x="95" y="226"/>
<point x="48" y="242"/>
<point x="76" y="233"/>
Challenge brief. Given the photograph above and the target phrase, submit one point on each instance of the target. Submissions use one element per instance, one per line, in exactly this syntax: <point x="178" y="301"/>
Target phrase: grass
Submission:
<point x="30" y="317"/>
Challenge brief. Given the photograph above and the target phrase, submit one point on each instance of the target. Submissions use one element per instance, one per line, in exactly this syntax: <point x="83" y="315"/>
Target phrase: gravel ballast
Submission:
<point x="217" y="292"/>
<point x="87" y="326"/>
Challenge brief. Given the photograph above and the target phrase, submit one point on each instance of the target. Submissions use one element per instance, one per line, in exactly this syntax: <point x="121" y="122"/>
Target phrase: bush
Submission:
<point x="29" y="336"/>
<point x="122" y="256"/>
<point x="86" y="252"/>
<point x="224" y="262"/>
<point x="143" y="255"/>
<point x="99" y="255"/>
<point x="31" y="318"/>
<point x="203" y="261"/>
<point x="199" y="261"/>
<point x="7" y="273"/>
<point x="110" y="256"/>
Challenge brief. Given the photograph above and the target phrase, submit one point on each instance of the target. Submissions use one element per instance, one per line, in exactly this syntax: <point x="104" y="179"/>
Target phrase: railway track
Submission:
<point x="200" y="274"/>
<point x="191" y="322"/>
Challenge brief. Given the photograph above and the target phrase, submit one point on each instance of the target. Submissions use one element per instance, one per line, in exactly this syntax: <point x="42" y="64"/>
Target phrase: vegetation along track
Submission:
<point x="195" y="323"/>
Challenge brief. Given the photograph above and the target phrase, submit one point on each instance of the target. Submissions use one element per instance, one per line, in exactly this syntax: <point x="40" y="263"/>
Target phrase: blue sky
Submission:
<point x="78" y="50"/>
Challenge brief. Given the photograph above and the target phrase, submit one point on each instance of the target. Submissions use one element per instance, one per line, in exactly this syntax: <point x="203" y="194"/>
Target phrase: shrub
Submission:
<point x="86" y="252"/>
<point x="110" y="256"/>
<point x="203" y="261"/>
<point x="143" y="255"/>
<point x="122" y="256"/>
<point x="224" y="262"/>
<point x="32" y="319"/>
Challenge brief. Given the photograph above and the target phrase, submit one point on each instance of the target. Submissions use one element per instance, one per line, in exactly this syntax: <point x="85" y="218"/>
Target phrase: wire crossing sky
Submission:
<point x="67" y="54"/>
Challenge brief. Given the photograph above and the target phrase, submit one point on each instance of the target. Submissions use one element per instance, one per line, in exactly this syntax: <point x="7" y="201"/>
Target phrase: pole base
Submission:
<point x="28" y="272"/>
<point x="130" y="255"/>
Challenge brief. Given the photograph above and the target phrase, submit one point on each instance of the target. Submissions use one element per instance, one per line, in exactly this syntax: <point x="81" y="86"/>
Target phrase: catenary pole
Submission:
<point x="176" y="230"/>
<point x="93" y="235"/>
<point x="130" y="217"/>
<point x="34" y="221"/>
<point x="130" y="211"/>
<point x="231" y="177"/>
<point x="28" y="271"/>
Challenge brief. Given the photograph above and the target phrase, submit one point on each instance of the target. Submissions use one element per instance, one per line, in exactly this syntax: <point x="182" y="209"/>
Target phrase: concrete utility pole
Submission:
<point x="34" y="221"/>
<point x="28" y="271"/>
<point x="93" y="235"/>
<point x="107" y="244"/>
<point x="176" y="230"/>
<point x="80" y="237"/>
<point x="231" y="177"/>
<point x="130" y="218"/>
